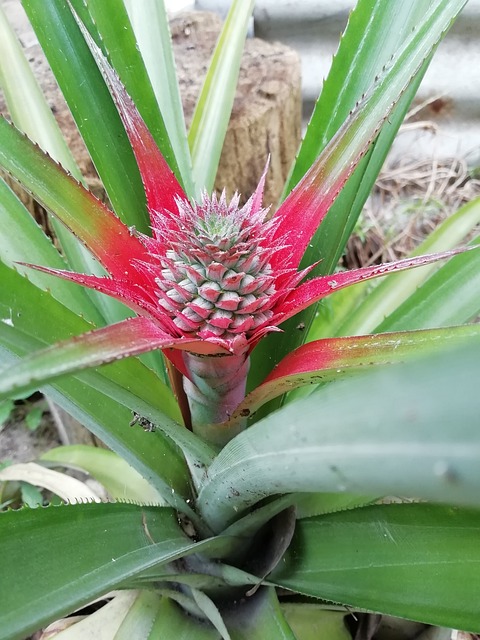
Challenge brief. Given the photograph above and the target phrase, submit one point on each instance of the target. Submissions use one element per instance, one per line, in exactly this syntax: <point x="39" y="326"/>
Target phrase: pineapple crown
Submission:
<point x="212" y="272"/>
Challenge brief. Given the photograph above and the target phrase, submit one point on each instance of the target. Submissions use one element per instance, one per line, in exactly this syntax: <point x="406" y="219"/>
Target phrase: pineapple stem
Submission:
<point x="216" y="388"/>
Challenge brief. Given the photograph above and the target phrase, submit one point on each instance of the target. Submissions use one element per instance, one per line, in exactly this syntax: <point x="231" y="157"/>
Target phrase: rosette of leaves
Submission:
<point x="242" y="509"/>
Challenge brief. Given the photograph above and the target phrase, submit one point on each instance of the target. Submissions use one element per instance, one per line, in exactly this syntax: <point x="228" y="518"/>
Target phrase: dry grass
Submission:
<point x="411" y="197"/>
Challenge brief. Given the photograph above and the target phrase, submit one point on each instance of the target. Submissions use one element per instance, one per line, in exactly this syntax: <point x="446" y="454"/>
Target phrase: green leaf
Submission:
<point x="201" y="573"/>
<point x="173" y="622"/>
<point x="79" y="553"/>
<point x="91" y="106"/>
<point x="334" y="358"/>
<point x="31" y="496"/>
<point x="158" y="460"/>
<point x="414" y="561"/>
<point x="251" y="523"/>
<point x="210" y="611"/>
<point x="258" y="617"/>
<point x="449" y="296"/>
<point x="150" y="23"/>
<point x="26" y="103"/>
<point x="6" y="407"/>
<point x="315" y="504"/>
<point x="109" y="25"/>
<point x="212" y="112"/>
<point x="34" y="418"/>
<point x="394" y="291"/>
<point x="390" y="95"/>
<point x="120" y="480"/>
<point x="160" y="463"/>
<point x="312" y="621"/>
<point x="409" y="430"/>
<point x="19" y="308"/>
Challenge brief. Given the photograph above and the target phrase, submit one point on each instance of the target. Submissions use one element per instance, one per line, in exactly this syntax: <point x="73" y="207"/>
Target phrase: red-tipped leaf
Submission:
<point x="328" y="359"/>
<point x="104" y="235"/>
<point x="101" y="346"/>
<point x="131" y="294"/>
<point x="314" y="290"/>
<point x="161" y="186"/>
<point x="307" y="205"/>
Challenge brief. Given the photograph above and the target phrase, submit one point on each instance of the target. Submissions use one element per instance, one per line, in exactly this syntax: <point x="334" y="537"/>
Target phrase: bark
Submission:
<point x="266" y="115"/>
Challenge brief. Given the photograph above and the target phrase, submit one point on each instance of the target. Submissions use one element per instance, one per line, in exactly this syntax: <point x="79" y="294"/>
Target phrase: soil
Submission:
<point x="18" y="443"/>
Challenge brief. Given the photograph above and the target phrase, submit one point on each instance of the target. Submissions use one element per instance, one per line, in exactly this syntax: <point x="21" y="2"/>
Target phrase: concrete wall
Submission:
<point x="179" y="5"/>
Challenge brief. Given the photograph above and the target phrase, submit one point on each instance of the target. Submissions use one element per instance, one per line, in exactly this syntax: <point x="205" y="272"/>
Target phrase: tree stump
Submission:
<point x="266" y="116"/>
